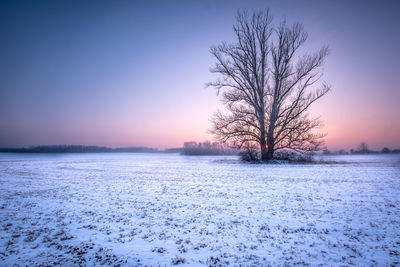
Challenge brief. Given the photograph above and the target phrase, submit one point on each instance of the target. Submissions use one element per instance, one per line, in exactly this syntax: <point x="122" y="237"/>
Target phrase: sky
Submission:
<point x="133" y="73"/>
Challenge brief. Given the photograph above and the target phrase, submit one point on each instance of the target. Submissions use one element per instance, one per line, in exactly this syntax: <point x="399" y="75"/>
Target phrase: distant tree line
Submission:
<point x="361" y="149"/>
<point x="207" y="148"/>
<point x="173" y="150"/>
<point x="77" y="149"/>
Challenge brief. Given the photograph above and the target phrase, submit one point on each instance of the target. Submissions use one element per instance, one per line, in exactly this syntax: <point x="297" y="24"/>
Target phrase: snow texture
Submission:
<point x="151" y="209"/>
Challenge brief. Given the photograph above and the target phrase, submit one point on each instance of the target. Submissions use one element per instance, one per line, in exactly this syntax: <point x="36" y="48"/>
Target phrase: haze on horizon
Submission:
<point x="120" y="73"/>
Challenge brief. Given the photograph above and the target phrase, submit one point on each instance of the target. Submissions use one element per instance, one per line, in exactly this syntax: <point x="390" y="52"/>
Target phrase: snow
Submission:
<point x="151" y="209"/>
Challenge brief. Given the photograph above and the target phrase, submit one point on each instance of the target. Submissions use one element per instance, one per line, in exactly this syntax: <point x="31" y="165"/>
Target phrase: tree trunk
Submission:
<point x="270" y="140"/>
<point x="264" y="151"/>
<point x="270" y="152"/>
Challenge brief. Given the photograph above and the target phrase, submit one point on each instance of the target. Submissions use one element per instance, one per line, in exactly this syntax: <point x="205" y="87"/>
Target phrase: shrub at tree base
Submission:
<point x="250" y="155"/>
<point x="254" y="156"/>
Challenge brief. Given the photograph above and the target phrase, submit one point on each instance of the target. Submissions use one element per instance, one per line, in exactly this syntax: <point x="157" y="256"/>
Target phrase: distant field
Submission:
<point x="150" y="209"/>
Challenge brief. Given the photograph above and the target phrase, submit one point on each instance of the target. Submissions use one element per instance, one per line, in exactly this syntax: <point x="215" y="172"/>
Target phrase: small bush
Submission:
<point x="249" y="154"/>
<point x="293" y="156"/>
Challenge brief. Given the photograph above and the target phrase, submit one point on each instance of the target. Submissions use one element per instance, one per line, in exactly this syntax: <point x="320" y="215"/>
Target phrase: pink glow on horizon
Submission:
<point x="134" y="75"/>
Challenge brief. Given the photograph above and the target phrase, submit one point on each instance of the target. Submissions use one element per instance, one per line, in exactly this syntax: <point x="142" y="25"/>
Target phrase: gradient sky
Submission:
<point x="132" y="73"/>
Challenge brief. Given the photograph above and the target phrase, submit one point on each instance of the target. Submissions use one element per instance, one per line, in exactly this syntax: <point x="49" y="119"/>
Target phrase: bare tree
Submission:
<point x="264" y="85"/>
<point x="363" y="147"/>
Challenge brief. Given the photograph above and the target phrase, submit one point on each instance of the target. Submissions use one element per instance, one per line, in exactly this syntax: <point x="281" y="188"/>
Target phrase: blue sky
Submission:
<point x="132" y="73"/>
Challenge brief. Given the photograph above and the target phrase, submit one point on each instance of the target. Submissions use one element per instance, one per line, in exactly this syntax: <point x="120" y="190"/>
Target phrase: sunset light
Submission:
<point x="62" y="85"/>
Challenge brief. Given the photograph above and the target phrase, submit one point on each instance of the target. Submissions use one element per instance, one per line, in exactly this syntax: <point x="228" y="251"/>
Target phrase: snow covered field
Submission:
<point x="150" y="209"/>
